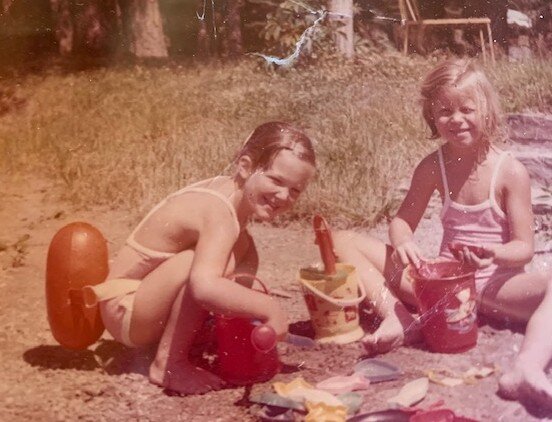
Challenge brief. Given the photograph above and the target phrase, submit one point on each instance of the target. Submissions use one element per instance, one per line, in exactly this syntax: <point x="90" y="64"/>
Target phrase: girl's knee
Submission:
<point x="542" y="283"/>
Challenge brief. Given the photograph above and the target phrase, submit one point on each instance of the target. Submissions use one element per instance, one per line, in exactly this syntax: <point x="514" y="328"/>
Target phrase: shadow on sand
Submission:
<point x="108" y="356"/>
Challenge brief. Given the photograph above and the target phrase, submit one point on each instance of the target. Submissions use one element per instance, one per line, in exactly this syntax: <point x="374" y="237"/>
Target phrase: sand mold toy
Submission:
<point x="323" y="412"/>
<point x="390" y="415"/>
<point x="300" y="396"/>
<point x="376" y="370"/>
<point x="275" y="414"/>
<point x="301" y="391"/>
<point x="438" y="415"/>
<point x="276" y="400"/>
<point x="344" y="384"/>
<point x="352" y="401"/>
<point x="410" y="394"/>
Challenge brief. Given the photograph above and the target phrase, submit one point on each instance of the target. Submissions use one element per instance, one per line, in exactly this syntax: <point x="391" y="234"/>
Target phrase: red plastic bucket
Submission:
<point x="446" y="296"/>
<point x="239" y="362"/>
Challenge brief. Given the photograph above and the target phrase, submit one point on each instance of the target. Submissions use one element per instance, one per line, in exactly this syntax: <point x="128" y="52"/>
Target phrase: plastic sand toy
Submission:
<point x="333" y="294"/>
<point x="243" y="357"/>
<point x="445" y="291"/>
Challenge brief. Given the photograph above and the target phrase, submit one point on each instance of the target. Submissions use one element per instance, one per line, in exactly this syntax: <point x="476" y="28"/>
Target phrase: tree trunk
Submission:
<point x="234" y="43"/>
<point x="63" y="18"/>
<point x="146" y="36"/>
<point x="87" y="27"/>
<point x="219" y="30"/>
<point x="341" y="12"/>
<point x="92" y="31"/>
<point x="203" y="38"/>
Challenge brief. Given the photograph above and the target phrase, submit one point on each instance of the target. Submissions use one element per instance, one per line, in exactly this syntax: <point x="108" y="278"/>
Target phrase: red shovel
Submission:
<point x="325" y="244"/>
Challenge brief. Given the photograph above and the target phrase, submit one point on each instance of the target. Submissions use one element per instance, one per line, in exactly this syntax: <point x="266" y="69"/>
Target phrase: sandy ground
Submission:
<point x="40" y="380"/>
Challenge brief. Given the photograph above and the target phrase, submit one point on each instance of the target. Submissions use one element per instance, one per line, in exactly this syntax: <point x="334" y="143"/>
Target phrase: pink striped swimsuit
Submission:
<point x="483" y="223"/>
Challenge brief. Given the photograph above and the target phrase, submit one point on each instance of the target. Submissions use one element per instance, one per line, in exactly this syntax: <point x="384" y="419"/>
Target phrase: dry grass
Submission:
<point x="125" y="137"/>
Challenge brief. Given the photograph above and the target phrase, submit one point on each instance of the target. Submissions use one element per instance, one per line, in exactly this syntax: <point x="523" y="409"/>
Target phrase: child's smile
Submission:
<point x="275" y="189"/>
<point x="271" y="204"/>
<point x="456" y="117"/>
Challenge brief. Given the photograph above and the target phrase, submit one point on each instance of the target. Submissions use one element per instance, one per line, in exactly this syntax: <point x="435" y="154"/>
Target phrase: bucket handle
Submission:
<point x="338" y="302"/>
<point x="251" y="277"/>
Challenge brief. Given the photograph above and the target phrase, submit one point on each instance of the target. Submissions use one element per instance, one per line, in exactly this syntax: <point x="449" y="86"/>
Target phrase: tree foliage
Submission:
<point x="286" y="23"/>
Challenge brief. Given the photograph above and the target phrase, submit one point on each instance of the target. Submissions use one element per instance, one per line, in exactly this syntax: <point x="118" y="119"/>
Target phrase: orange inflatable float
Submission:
<point x="77" y="257"/>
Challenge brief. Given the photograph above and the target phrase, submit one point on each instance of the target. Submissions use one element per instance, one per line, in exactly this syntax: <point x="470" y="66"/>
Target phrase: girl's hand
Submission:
<point x="409" y="252"/>
<point x="277" y="319"/>
<point x="480" y="257"/>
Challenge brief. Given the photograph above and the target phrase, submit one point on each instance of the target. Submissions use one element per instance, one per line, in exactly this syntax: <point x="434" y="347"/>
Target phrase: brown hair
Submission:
<point x="455" y="72"/>
<point x="268" y="139"/>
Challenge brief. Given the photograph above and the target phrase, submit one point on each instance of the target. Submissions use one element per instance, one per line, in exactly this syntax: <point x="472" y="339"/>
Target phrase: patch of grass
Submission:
<point x="524" y="86"/>
<point x="125" y="137"/>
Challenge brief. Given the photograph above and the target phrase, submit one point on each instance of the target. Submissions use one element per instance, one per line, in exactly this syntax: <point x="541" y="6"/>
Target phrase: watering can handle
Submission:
<point x="338" y="302"/>
<point x="251" y="277"/>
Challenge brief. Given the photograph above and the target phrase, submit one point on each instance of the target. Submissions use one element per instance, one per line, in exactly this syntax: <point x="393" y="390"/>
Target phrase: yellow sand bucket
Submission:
<point x="333" y="301"/>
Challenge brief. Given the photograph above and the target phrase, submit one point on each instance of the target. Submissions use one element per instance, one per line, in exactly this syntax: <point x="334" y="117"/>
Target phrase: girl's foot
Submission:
<point x="186" y="379"/>
<point x="527" y="383"/>
<point x="391" y="334"/>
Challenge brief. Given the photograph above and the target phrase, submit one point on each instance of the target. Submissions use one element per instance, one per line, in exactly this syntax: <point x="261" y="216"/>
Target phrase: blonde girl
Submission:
<point x="174" y="268"/>
<point x="486" y="200"/>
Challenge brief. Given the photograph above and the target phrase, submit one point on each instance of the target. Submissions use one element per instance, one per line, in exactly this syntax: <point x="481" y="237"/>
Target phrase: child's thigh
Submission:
<point x="355" y="248"/>
<point x="515" y="298"/>
<point x="401" y="284"/>
<point x="158" y="290"/>
<point x="367" y="253"/>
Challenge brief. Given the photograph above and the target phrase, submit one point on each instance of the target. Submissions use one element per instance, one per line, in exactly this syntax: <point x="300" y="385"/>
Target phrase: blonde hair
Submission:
<point x="268" y="139"/>
<point x="456" y="72"/>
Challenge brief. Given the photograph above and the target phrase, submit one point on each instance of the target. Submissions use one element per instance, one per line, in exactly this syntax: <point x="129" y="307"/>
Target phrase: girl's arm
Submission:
<point x="517" y="200"/>
<point x="402" y="227"/>
<point x="217" y="293"/>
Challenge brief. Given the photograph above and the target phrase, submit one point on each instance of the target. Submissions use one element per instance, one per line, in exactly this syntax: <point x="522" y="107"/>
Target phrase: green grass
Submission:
<point x="125" y="137"/>
<point x="524" y="86"/>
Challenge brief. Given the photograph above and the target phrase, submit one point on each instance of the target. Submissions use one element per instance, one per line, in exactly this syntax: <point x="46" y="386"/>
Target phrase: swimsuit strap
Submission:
<point x="198" y="184"/>
<point x="132" y="242"/>
<point x="147" y="252"/>
<point x="446" y="191"/>
<point x="219" y="196"/>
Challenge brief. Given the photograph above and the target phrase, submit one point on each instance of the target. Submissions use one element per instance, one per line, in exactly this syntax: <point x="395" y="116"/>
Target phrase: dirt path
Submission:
<point x="41" y="381"/>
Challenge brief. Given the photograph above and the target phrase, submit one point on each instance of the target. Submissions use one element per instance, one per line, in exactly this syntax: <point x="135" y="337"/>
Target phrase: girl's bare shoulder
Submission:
<point x="196" y="207"/>
<point x="510" y="167"/>
<point x="431" y="160"/>
<point x="512" y="171"/>
<point x="428" y="167"/>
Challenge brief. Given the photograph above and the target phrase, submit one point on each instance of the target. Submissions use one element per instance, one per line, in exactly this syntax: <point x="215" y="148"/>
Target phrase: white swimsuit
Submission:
<point x="133" y="262"/>
<point x="478" y="224"/>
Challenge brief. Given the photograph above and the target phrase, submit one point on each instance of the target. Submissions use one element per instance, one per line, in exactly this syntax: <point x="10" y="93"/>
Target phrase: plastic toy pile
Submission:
<point x="339" y="398"/>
